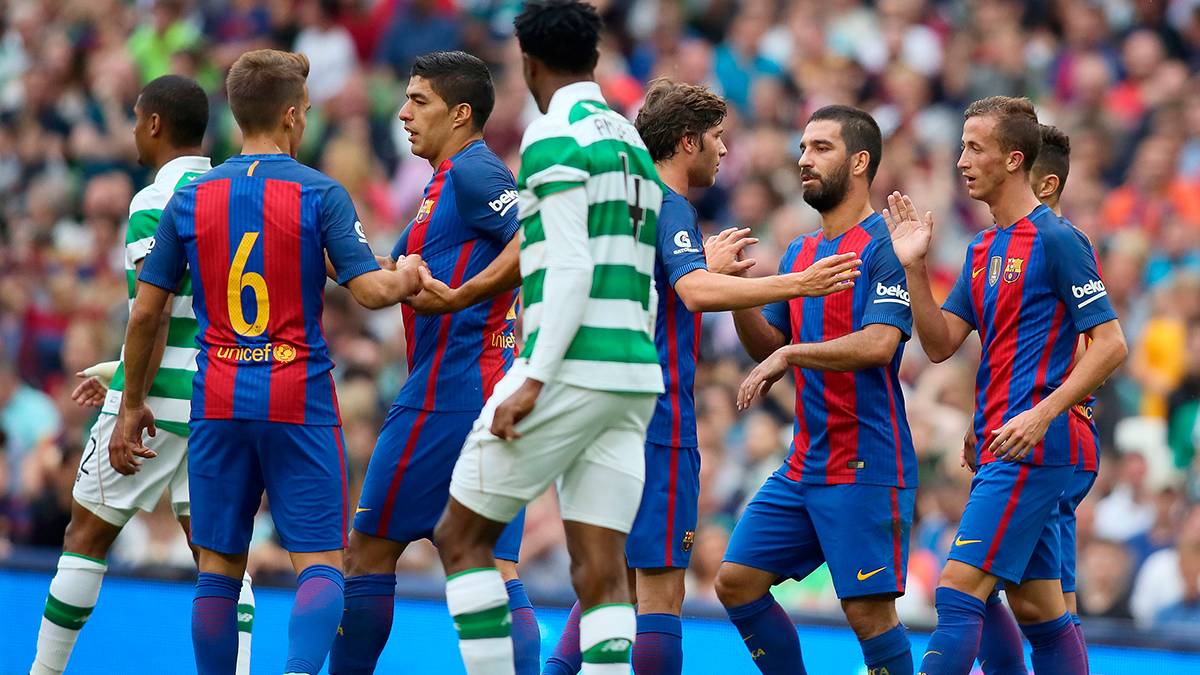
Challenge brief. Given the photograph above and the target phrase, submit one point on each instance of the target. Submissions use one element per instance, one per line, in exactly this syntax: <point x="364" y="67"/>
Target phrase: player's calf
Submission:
<point x="882" y="637"/>
<point x="766" y="629"/>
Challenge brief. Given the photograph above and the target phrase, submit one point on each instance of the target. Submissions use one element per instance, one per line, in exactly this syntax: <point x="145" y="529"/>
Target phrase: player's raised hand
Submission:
<point x="514" y="409"/>
<point x="1013" y="441"/>
<point x="126" y="446"/>
<point x="827" y="275"/>
<point x="759" y="381"/>
<point x="723" y="252"/>
<point x="90" y="392"/>
<point x="435" y="297"/>
<point x="911" y="233"/>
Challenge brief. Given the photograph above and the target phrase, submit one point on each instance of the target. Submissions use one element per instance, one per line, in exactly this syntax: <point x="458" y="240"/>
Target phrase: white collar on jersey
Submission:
<point x="172" y="170"/>
<point x="566" y="97"/>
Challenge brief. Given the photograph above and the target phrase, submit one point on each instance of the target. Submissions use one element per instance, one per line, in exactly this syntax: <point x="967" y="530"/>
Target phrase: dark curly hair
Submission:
<point x="563" y="34"/>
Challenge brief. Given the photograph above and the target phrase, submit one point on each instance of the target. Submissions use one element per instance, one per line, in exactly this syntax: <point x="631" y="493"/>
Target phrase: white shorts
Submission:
<point x="115" y="497"/>
<point x="591" y="442"/>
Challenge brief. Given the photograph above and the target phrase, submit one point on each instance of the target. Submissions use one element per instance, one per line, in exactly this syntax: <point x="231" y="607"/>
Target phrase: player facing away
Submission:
<point x="574" y="407"/>
<point x="468" y="216"/>
<point x="682" y="125"/>
<point x="252" y="237"/>
<point x="846" y="492"/>
<point x="171" y="114"/>
<point x="1000" y="649"/>
<point x="1030" y="286"/>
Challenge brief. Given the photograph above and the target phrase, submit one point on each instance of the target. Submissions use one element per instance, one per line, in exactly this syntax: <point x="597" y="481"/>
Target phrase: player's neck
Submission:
<point x="1016" y="200"/>
<point x="171" y="154"/>
<point x="455" y="146"/>
<point x="556" y="81"/>
<point x="850" y="212"/>
<point x="265" y="144"/>
<point x="674" y="175"/>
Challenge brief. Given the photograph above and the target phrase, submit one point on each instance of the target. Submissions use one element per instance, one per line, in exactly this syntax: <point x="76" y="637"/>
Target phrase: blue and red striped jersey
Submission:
<point x="467" y="217"/>
<point x="254" y="233"/>
<point x="1029" y="289"/>
<point x="676" y="330"/>
<point x="851" y="427"/>
<point x="1085" y="440"/>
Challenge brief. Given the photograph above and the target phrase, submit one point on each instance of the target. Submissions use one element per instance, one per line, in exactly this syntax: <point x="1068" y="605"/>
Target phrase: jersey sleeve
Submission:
<point x="166" y="262"/>
<point x="486" y="197"/>
<point x="959" y="301"/>
<point x="139" y="233"/>
<point x="1075" y="278"/>
<point x="552" y="164"/>
<point x="676" y="248"/>
<point x="777" y="313"/>
<point x="343" y="237"/>
<point x="888" y="301"/>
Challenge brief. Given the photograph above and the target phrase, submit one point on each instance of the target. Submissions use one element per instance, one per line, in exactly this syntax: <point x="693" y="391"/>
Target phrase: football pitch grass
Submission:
<point x="144" y="627"/>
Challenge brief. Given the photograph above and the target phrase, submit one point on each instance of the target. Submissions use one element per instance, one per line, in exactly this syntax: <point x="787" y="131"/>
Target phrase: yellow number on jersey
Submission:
<point x="239" y="279"/>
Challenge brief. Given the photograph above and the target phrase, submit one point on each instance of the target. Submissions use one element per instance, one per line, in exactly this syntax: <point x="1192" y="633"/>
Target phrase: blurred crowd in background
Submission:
<point x="1121" y="77"/>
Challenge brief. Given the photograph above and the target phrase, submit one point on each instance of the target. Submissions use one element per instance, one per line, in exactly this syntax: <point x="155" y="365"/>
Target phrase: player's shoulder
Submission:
<point x="1057" y="233"/>
<point x="676" y="207"/>
<point x="153" y="197"/>
<point x="477" y="162"/>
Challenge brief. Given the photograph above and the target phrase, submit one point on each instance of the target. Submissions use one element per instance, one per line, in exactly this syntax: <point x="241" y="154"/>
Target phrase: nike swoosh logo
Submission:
<point x="959" y="541"/>
<point x="931" y="652"/>
<point x="977" y="272"/>
<point x="747" y="638"/>
<point x="360" y="510"/>
<point x="868" y="575"/>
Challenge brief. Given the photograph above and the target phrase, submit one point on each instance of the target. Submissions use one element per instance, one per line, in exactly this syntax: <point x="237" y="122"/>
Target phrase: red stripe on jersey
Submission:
<point x="1073" y="436"/>
<point x="281" y="266"/>
<point x="891" y="394"/>
<point x="1011" y="506"/>
<point x="1001" y="350"/>
<point x="897" y="532"/>
<point x="1039" y="378"/>
<point x="979" y="280"/>
<point x="491" y="361"/>
<point x="212" y="251"/>
<point x="841" y="398"/>
<point x="1088" y="445"/>
<point x="389" y="502"/>
<point x="672" y="492"/>
<point x="416" y="244"/>
<point x="673" y="364"/>
<point x="802" y="439"/>
<point x="337" y="438"/>
<point x="460" y="269"/>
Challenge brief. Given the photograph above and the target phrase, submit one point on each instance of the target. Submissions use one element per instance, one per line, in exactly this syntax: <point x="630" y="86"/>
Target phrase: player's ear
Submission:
<point x="1048" y="186"/>
<point x="462" y="114"/>
<point x="862" y="161"/>
<point x="154" y="124"/>
<point x="1016" y="158"/>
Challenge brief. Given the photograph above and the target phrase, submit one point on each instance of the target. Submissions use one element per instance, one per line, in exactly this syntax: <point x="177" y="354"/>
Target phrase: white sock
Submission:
<point x="478" y="602"/>
<point x="73" y="593"/>
<point x="245" y="622"/>
<point x="606" y="634"/>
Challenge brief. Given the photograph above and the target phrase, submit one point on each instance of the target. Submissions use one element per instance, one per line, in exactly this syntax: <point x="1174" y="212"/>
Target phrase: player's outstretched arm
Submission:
<point x="383" y="288"/>
<point x="704" y="291"/>
<point x="501" y="275"/>
<point x="140" y="340"/>
<point x="871" y="347"/>
<point x="941" y="332"/>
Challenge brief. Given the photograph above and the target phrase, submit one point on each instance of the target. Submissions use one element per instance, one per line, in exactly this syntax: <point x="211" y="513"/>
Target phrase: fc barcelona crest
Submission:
<point x="425" y="210"/>
<point x="994" y="270"/>
<point x="1012" y="269"/>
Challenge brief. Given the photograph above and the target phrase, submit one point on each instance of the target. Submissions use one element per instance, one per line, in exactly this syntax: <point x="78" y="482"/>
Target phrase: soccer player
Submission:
<point x="252" y="236"/>
<point x="171" y="114"/>
<point x="1030" y="286"/>
<point x="468" y="216"/>
<point x="1000" y="648"/>
<point x="682" y="125"/>
<point x="574" y="408"/>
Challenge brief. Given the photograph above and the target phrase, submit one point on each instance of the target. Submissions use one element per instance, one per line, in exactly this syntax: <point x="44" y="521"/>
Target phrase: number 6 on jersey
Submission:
<point x="239" y="279"/>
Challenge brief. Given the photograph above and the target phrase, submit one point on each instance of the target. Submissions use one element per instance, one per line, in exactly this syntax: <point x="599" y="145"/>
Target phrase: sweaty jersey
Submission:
<point x="170" y="395"/>
<point x="1029" y="289"/>
<point x="581" y="143"/>
<point x="851" y="426"/>
<point x="676" y="330"/>
<point x="468" y="215"/>
<point x="254" y="233"/>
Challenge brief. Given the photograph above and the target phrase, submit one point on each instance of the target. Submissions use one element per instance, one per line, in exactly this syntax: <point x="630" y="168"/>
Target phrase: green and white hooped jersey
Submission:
<point x="170" y="395"/>
<point x="582" y="142"/>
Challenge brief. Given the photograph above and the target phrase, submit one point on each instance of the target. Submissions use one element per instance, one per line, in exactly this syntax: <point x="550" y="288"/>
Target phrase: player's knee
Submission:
<point x="89" y="536"/>
<point x="870" y="617"/>
<point x="599" y="577"/>
<point x="732" y="588"/>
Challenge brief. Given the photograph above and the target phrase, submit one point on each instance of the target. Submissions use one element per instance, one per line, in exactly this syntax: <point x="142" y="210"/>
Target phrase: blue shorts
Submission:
<point x="1010" y="525"/>
<point x="665" y="527"/>
<point x="790" y="528"/>
<point x="301" y="467"/>
<point x="1078" y="488"/>
<point x="407" y="484"/>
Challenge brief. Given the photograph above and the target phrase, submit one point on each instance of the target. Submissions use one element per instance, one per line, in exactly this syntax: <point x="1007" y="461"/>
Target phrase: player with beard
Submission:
<point x="852" y="459"/>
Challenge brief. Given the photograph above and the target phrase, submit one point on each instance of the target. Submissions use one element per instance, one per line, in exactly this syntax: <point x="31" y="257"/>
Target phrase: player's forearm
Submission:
<point x="567" y="282"/>
<point x="1104" y="354"/>
<point x="140" y="338"/>
<point x="871" y="347"/>
<point x="160" y="343"/>
<point x="758" y="336"/>
<point x="503" y="274"/>
<point x="703" y="291"/>
<point x="383" y="288"/>
<point x="930" y="325"/>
